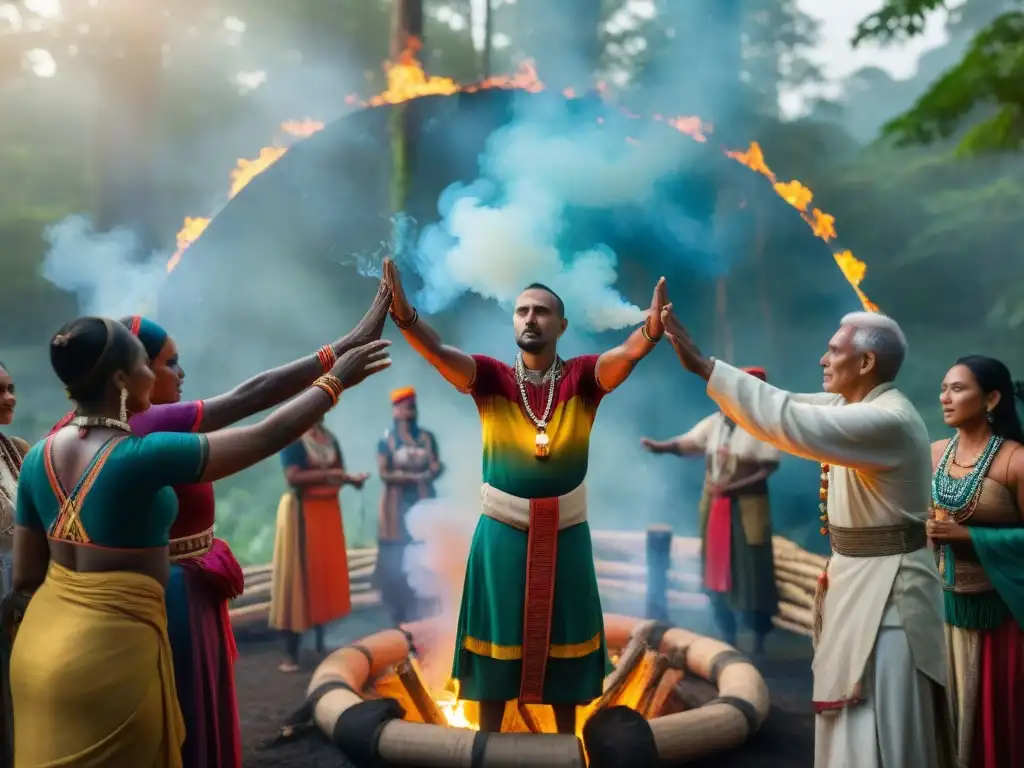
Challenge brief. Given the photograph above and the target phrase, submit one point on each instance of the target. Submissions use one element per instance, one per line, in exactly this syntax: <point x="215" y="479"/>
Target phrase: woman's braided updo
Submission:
<point x="86" y="352"/>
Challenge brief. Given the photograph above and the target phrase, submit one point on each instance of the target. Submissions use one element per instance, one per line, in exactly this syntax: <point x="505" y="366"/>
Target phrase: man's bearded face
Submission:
<point x="537" y="320"/>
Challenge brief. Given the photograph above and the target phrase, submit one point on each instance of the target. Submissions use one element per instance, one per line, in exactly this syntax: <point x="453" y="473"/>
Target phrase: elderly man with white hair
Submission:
<point x="879" y="664"/>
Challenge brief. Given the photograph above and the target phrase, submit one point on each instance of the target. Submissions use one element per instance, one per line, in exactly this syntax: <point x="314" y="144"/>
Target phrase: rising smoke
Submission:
<point x="506" y="230"/>
<point x="101" y="268"/>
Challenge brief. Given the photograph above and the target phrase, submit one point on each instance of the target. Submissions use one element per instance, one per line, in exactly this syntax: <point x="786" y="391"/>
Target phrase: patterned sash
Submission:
<point x="541" y="560"/>
<point x="67" y="526"/>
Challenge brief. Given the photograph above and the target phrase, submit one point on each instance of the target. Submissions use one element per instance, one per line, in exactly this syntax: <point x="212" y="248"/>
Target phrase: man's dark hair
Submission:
<point x="559" y="304"/>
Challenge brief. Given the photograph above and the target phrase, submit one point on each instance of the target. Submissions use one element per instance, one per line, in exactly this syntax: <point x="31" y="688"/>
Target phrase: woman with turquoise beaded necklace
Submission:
<point x="977" y="527"/>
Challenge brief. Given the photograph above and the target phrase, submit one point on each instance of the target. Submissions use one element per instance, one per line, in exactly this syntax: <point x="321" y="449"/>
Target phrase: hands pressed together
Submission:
<point x="662" y="319"/>
<point x="362" y="352"/>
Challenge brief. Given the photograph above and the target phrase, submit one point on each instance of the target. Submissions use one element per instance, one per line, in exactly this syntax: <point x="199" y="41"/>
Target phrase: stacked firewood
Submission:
<point x="621" y="576"/>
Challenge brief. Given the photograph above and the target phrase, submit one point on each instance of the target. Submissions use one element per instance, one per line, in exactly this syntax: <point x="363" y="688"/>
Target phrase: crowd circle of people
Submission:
<point x="108" y="558"/>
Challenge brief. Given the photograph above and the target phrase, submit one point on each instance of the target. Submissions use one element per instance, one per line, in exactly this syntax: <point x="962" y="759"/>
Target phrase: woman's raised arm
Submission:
<point x="234" y="449"/>
<point x="270" y="388"/>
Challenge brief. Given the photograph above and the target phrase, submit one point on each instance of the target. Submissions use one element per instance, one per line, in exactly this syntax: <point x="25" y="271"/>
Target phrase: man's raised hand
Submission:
<point x="401" y="311"/>
<point x="687" y="351"/>
<point x="653" y="323"/>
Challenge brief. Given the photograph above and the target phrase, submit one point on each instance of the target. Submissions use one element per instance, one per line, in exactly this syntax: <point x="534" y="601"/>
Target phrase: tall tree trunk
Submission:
<point x="128" y="125"/>
<point x="406" y="24"/>
<point x="487" y="50"/>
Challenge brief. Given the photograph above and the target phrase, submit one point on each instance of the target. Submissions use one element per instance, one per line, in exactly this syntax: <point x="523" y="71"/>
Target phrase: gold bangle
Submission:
<point x="411" y="322"/>
<point x="331" y="385"/>
<point x="647" y="337"/>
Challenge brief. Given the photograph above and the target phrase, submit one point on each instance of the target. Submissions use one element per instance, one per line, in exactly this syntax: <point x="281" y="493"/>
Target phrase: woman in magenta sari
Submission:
<point x="978" y="529"/>
<point x="205" y="576"/>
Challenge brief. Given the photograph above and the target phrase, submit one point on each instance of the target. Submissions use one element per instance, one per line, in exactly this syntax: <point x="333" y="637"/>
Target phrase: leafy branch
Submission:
<point x="987" y="84"/>
<point x="990" y="78"/>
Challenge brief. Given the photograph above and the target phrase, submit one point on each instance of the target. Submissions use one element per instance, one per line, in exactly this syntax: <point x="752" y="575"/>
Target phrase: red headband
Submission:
<point x="136" y="325"/>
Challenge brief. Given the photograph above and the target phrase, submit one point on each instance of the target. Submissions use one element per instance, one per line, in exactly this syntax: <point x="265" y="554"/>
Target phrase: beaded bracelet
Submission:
<point x="331" y="385"/>
<point x="327" y="357"/>
<point x="409" y="324"/>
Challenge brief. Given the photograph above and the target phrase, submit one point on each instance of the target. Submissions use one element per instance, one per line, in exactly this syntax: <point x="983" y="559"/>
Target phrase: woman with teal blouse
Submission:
<point x="91" y="673"/>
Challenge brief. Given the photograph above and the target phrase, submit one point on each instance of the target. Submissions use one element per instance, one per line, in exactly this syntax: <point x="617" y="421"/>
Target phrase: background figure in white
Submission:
<point x="879" y="664"/>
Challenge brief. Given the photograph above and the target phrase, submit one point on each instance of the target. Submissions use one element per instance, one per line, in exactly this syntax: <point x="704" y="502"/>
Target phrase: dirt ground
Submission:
<point x="267" y="698"/>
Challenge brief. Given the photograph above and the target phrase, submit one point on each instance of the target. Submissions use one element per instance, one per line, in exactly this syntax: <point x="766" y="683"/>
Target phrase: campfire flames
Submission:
<point x="635" y="689"/>
<point x="640" y="683"/>
<point x="407" y="80"/>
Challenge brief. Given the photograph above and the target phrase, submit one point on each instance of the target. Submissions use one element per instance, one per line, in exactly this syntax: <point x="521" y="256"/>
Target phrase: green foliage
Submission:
<point x="985" y="86"/>
<point x="897" y="19"/>
<point x="988" y="80"/>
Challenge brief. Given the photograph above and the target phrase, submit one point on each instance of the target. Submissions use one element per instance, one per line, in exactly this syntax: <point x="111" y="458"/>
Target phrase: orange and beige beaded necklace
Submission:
<point x="822" y="586"/>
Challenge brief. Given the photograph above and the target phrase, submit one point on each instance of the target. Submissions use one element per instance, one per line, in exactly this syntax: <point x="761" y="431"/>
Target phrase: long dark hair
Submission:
<point x="993" y="376"/>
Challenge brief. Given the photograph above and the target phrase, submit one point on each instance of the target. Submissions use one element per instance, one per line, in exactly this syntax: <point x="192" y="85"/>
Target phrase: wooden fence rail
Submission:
<point x="622" y="574"/>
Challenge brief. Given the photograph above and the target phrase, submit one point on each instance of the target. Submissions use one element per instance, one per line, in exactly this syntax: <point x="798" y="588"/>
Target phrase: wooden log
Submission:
<point x="638" y="573"/>
<point x="629" y="545"/>
<point x="619" y="589"/>
<point x="795" y="595"/>
<point x="802" y="582"/>
<point x="259" y="612"/>
<point x="665" y="693"/>
<point x="412" y="681"/>
<point x="796" y="614"/>
<point x="798" y="569"/>
<point x="789" y="626"/>
<point x="621" y="576"/>
<point x="788" y="550"/>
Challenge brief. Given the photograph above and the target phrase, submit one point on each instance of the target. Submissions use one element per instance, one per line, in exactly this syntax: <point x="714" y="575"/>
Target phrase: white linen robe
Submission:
<point x="879" y="665"/>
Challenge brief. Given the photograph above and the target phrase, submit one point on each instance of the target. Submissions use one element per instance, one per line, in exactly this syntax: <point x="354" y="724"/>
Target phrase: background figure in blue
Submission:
<point x="408" y="462"/>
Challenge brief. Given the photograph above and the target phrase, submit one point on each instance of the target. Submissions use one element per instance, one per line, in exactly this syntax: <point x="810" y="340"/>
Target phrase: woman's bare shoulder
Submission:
<point x="1014" y="457"/>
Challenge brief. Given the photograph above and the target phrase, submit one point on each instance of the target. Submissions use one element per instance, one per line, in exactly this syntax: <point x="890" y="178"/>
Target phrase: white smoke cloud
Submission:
<point x="494" y="245"/>
<point x="101" y="268"/>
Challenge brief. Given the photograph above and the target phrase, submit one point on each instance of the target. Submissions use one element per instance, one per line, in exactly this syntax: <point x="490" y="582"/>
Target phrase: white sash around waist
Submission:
<point x="514" y="511"/>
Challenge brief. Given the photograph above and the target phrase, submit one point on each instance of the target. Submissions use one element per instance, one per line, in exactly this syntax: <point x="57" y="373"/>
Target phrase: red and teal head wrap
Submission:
<point x="152" y="335"/>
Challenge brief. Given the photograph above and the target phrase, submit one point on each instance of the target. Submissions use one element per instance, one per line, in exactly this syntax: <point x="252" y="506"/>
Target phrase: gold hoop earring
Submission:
<point x="124" y="405"/>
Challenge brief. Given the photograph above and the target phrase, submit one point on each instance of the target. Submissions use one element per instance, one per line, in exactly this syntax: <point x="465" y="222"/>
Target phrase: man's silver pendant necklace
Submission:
<point x="542" y="443"/>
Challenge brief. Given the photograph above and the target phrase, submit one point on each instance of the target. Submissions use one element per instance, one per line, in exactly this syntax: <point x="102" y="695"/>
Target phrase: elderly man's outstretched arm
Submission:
<point x="858" y="436"/>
